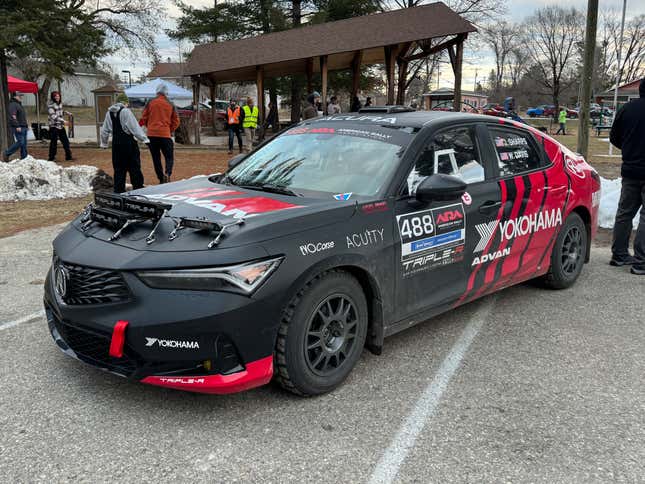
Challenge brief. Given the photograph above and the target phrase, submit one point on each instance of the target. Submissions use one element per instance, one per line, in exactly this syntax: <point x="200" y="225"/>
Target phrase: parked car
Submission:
<point x="494" y="109"/>
<point x="206" y="114"/>
<point x="328" y="238"/>
<point x="549" y="111"/>
<point x="448" y="106"/>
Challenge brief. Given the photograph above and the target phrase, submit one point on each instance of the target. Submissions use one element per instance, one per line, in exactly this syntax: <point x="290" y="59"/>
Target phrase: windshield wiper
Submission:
<point x="272" y="189"/>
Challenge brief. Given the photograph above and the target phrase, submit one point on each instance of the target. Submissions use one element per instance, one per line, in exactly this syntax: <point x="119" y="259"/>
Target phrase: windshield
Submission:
<point x="328" y="158"/>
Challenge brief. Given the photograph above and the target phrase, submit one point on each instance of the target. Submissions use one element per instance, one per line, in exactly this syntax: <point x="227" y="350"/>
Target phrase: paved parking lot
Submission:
<point x="524" y="386"/>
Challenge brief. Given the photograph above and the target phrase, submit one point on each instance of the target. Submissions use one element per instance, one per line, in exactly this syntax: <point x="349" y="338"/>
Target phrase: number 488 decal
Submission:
<point x="415" y="226"/>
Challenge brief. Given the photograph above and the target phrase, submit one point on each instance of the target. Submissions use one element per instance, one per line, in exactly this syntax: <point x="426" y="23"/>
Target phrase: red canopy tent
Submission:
<point x="16" y="84"/>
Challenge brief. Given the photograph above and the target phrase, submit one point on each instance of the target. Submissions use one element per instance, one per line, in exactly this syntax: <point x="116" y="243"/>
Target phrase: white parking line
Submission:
<point x="391" y="461"/>
<point x="25" y="319"/>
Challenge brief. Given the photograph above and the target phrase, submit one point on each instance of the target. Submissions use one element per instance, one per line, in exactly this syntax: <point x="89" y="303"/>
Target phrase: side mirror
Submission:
<point x="440" y="187"/>
<point x="236" y="160"/>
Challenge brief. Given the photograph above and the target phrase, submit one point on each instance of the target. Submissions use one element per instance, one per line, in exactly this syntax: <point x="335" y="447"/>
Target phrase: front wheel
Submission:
<point x="322" y="334"/>
<point x="568" y="255"/>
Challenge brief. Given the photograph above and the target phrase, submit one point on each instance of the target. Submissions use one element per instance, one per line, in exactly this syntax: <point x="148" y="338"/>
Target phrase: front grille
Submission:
<point x="94" y="347"/>
<point x="94" y="286"/>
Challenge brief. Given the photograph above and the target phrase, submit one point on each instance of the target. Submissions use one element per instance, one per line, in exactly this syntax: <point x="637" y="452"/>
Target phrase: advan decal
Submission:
<point x="431" y="238"/>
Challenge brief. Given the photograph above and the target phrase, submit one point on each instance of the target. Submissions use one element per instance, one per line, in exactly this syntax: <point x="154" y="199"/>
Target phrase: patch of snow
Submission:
<point x="609" y="203"/>
<point x="32" y="179"/>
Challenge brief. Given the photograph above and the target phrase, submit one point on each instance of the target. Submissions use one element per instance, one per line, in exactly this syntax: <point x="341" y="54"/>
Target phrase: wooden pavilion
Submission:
<point x="392" y="38"/>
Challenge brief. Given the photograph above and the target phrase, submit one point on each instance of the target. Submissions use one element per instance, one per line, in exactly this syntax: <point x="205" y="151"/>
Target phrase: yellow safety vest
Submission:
<point x="250" y="117"/>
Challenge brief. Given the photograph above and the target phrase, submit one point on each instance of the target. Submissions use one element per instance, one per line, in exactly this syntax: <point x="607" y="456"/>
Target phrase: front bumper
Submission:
<point x="209" y="342"/>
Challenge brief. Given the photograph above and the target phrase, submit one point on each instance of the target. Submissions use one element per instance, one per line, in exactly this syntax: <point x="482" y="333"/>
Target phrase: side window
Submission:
<point x="516" y="151"/>
<point x="451" y="151"/>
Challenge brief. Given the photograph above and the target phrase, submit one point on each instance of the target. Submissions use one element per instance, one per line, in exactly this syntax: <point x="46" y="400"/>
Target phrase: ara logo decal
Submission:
<point x="172" y="343"/>
<point x="449" y="216"/>
<point x="466" y="198"/>
<point x="485" y="232"/>
<point x="343" y="196"/>
<point x="490" y="257"/>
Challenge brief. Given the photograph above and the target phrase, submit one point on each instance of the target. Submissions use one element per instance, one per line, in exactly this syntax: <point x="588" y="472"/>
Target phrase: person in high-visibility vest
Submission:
<point x="233" y="118"/>
<point x="562" y="119"/>
<point x="250" y="122"/>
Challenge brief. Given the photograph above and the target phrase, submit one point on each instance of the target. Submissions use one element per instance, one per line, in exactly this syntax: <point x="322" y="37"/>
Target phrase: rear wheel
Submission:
<point x="322" y="334"/>
<point x="568" y="255"/>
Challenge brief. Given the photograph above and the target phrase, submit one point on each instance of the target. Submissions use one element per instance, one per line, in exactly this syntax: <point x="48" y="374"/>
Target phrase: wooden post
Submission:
<point x="259" y="80"/>
<point x="356" y="74"/>
<point x="310" y="75"/>
<point x="402" y="64"/>
<point x="323" y="77"/>
<point x="390" y="62"/>
<point x="213" y="94"/>
<point x="197" y="121"/>
<point x="457" y="67"/>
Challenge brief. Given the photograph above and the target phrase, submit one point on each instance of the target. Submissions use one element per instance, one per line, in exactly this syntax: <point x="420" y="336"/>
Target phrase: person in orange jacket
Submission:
<point x="161" y="120"/>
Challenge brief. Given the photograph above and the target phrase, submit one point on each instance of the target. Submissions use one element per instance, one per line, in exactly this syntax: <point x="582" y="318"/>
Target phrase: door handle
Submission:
<point x="490" y="206"/>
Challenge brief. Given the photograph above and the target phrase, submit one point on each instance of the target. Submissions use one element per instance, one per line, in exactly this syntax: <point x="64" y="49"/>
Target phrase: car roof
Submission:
<point x="413" y="119"/>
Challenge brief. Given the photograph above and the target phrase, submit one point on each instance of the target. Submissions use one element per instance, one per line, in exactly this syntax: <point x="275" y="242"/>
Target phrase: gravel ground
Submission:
<point x="550" y="389"/>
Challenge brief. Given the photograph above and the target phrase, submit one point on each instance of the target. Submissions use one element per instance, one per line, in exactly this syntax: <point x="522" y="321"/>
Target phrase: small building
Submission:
<point x="626" y="93"/>
<point x="445" y="95"/>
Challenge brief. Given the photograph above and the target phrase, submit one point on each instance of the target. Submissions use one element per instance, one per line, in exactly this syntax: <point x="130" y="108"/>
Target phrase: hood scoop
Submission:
<point x="119" y="212"/>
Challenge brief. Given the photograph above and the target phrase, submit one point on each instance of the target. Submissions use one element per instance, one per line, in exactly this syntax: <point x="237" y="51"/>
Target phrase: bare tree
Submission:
<point x="502" y="37"/>
<point x="516" y="64"/>
<point x="550" y="37"/>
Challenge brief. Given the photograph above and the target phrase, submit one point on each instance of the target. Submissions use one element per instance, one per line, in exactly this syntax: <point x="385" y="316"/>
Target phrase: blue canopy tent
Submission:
<point x="148" y="90"/>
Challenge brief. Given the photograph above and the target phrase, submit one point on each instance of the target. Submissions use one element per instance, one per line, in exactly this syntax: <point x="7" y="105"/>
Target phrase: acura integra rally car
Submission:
<point x="326" y="239"/>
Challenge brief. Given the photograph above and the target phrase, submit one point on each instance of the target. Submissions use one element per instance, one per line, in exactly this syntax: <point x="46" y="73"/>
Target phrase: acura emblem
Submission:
<point x="61" y="277"/>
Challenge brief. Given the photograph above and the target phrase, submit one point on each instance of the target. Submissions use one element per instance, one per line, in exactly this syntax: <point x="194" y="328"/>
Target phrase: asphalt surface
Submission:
<point x="548" y="387"/>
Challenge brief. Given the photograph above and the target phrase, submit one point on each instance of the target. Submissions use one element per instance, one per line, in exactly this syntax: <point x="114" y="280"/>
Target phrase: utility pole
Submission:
<point x="619" y="68"/>
<point x="587" y="76"/>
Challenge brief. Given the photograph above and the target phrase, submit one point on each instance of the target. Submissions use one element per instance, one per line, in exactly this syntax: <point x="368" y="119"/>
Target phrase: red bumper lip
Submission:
<point x="257" y="373"/>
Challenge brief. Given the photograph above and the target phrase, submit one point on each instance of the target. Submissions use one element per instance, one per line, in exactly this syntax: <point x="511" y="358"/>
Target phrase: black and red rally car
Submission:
<point x="335" y="234"/>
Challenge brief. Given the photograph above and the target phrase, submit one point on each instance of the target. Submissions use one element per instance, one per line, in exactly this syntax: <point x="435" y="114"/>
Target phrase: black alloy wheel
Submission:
<point x="569" y="254"/>
<point x="571" y="250"/>
<point x="331" y="334"/>
<point x="322" y="334"/>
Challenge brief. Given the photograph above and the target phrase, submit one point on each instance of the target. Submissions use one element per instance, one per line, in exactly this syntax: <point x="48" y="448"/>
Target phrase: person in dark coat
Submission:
<point x="356" y="105"/>
<point x="311" y="110"/>
<point x="18" y="125"/>
<point x="57" y="124"/>
<point x="272" y="119"/>
<point x="628" y="134"/>
<point x="126" y="157"/>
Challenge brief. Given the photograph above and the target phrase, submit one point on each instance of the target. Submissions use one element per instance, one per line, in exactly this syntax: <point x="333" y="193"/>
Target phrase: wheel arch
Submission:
<point x="359" y="268"/>
<point x="585" y="215"/>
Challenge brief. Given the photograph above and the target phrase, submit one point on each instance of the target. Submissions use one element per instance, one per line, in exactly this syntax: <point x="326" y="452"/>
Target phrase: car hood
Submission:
<point x="264" y="216"/>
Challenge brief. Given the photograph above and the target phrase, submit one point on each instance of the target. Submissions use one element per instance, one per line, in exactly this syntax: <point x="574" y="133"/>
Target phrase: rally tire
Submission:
<point x="293" y="360"/>
<point x="568" y="255"/>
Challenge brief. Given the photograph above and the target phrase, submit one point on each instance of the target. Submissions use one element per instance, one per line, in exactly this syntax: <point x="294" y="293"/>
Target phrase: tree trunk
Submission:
<point x="5" y="134"/>
<point x="43" y="94"/>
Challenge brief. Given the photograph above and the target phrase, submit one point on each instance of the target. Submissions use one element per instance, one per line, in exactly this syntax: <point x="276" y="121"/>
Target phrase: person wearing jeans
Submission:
<point x="628" y="134"/>
<point x="161" y="120"/>
<point x="18" y="124"/>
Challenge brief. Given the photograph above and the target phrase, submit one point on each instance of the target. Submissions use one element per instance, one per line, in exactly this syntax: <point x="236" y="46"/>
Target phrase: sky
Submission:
<point x="476" y="66"/>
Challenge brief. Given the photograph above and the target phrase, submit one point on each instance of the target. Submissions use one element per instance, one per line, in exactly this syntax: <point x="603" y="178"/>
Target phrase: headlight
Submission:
<point x="246" y="277"/>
